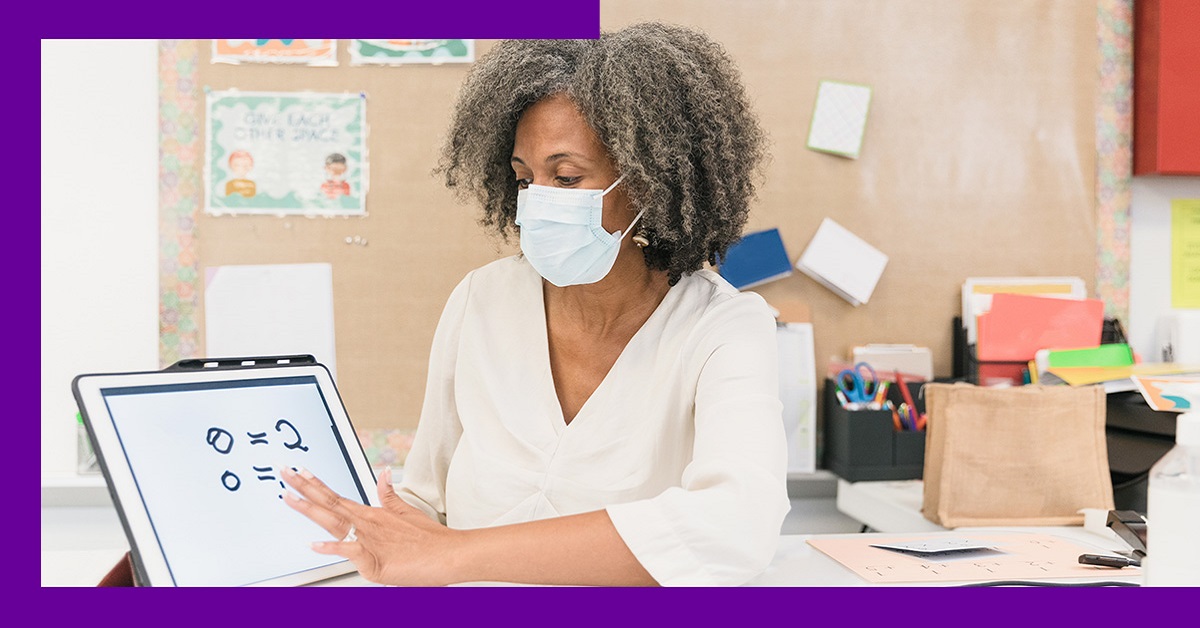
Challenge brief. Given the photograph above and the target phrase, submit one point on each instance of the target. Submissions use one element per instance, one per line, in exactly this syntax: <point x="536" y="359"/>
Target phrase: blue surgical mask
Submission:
<point x="562" y="235"/>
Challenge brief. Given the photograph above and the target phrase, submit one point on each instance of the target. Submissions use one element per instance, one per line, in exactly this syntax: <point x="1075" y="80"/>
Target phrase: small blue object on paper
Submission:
<point x="757" y="258"/>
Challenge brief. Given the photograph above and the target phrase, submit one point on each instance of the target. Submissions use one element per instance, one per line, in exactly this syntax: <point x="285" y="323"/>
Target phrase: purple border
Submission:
<point x="465" y="19"/>
<point x="432" y="19"/>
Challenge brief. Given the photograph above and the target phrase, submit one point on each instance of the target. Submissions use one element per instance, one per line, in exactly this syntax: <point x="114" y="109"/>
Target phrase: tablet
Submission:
<point x="192" y="457"/>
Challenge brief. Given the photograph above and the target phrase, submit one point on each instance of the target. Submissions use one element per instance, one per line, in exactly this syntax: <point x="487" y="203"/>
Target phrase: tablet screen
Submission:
<point x="206" y="459"/>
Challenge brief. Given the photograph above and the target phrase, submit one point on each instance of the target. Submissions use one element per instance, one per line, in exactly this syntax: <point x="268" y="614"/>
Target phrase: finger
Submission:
<point x="320" y="504"/>
<point x="336" y="525"/>
<point x="387" y="494"/>
<point x="349" y="550"/>
<point x="364" y="561"/>
<point x="315" y="491"/>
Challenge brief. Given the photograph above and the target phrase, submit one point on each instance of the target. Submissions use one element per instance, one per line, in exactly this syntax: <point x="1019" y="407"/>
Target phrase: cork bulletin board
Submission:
<point x="979" y="158"/>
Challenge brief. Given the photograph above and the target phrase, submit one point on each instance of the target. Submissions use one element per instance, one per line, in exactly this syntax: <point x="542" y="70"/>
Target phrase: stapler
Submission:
<point x="1131" y="527"/>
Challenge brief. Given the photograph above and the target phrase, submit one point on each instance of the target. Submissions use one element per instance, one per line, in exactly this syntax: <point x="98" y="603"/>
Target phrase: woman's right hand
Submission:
<point x="394" y="544"/>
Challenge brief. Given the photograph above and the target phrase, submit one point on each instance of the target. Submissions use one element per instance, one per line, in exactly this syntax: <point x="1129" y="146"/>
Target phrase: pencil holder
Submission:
<point x="864" y="445"/>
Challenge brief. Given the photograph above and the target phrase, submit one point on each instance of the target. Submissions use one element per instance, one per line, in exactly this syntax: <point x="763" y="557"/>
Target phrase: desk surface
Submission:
<point x="80" y="545"/>
<point x="798" y="564"/>
<point x="890" y="506"/>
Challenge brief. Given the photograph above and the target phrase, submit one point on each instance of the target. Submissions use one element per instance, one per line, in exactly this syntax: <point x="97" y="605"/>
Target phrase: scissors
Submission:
<point x="858" y="384"/>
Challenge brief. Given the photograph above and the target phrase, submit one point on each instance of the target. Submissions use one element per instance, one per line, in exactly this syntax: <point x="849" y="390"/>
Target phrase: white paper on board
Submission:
<point x="798" y="392"/>
<point x="839" y="118"/>
<point x="843" y="262"/>
<point x="270" y="309"/>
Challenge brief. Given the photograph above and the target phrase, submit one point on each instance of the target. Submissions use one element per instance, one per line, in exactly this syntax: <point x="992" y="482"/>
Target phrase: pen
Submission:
<point x="1108" y="561"/>
<point x="881" y="394"/>
<point x="908" y="398"/>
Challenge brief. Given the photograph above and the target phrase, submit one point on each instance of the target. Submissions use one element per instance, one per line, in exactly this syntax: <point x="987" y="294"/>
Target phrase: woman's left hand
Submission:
<point x="396" y="544"/>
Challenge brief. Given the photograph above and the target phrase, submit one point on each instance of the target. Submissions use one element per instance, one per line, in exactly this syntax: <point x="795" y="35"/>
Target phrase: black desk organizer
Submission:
<point x="863" y="445"/>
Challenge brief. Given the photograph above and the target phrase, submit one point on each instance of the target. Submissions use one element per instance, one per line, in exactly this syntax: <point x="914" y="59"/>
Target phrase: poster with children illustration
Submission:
<point x="285" y="153"/>
<point x="409" y="51"/>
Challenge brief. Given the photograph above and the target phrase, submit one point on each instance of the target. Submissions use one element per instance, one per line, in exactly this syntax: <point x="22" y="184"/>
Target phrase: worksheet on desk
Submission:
<point x="1013" y="556"/>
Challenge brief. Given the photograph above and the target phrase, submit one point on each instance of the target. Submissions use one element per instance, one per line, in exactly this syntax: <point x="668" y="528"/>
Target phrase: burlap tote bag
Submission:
<point x="1030" y="455"/>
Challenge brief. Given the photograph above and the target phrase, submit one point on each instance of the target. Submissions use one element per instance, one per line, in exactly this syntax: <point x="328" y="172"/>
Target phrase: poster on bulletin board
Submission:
<point x="285" y="153"/>
<point x="320" y="52"/>
<point x="409" y="51"/>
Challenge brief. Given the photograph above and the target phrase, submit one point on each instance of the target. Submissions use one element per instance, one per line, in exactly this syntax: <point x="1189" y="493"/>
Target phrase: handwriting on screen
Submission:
<point x="223" y="443"/>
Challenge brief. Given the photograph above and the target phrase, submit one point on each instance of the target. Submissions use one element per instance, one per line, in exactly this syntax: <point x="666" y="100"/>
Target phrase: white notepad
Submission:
<point x="843" y="262"/>
<point x="839" y="118"/>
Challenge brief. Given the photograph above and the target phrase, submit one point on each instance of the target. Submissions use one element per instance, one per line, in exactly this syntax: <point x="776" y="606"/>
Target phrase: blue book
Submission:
<point x="757" y="258"/>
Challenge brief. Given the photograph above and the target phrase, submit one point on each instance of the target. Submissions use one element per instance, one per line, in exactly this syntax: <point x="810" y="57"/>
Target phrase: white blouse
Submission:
<point x="682" y="442"/>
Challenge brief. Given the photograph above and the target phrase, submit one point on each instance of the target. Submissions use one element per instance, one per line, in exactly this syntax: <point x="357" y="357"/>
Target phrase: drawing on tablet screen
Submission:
<point x="222" y="442"/>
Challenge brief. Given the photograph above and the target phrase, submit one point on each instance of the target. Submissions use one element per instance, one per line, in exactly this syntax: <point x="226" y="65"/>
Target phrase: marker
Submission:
<point x="1102" y="560"/>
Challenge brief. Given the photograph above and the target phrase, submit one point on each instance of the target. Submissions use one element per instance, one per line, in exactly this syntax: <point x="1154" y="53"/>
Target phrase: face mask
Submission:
<point x="562" y="235"/>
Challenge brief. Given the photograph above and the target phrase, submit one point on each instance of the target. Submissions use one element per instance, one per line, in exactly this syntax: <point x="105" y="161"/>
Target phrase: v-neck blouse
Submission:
<point x="682" y="442"/>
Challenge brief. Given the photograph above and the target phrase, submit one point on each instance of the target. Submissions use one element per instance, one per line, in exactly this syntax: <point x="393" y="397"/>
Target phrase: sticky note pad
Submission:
<point x="757" y="258"/>
<point x="839" y="118"/>
<point x="843" y="262"/>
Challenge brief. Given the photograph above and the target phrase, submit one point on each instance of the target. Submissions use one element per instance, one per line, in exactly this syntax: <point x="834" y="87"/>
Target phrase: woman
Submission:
<point x="600" y="409"/>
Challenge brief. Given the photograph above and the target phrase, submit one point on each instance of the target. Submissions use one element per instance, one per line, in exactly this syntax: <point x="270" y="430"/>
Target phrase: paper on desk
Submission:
<point x="270" y="309"/>
<point x="1086" y="375"/>
<point x="1179" y="393"/>
<point x="1018" y="325"/>
<point x="977" y="293"/>
<point x="914" y="363"/>
<point x="1020" y="556"/>
<point x="935" y="546"/>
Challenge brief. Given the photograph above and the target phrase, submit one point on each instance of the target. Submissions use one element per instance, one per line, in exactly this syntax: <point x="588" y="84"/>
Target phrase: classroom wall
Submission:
<point x="389" y="293"/>
<point x="979" y="159"/>
<point x="1150" y="256"/>
<point x="99" y="234"/>
<point x="114" y="81"/>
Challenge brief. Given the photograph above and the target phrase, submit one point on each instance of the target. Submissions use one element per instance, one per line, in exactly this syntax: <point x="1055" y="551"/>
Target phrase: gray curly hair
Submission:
<point x="666" y="101"/>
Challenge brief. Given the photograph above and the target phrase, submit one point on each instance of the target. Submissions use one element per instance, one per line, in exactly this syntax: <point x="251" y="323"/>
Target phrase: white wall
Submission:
<point x="1150" y="256"/>
<point x="99" y="224"/>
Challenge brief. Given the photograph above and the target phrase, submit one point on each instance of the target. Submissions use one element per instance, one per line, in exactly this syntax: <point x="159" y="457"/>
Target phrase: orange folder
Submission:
<point x="1019" y="325"/>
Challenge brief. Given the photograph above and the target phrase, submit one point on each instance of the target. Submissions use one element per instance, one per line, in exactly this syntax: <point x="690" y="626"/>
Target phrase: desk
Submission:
<point x="798" y="564"/>
<point x="893" y="506"/>
<point x="80" y="545"/>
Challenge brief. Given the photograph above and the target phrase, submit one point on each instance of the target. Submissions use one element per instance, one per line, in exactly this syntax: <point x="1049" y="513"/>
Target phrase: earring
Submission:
<point x="640" y="239"/>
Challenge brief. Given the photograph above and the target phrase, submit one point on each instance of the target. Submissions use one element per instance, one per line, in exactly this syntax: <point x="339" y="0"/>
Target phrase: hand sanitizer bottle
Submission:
<point x="1173" y="510"/>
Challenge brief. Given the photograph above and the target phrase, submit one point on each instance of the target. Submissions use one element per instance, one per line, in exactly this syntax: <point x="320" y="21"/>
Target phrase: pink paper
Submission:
<point x="1019" y="325"/>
